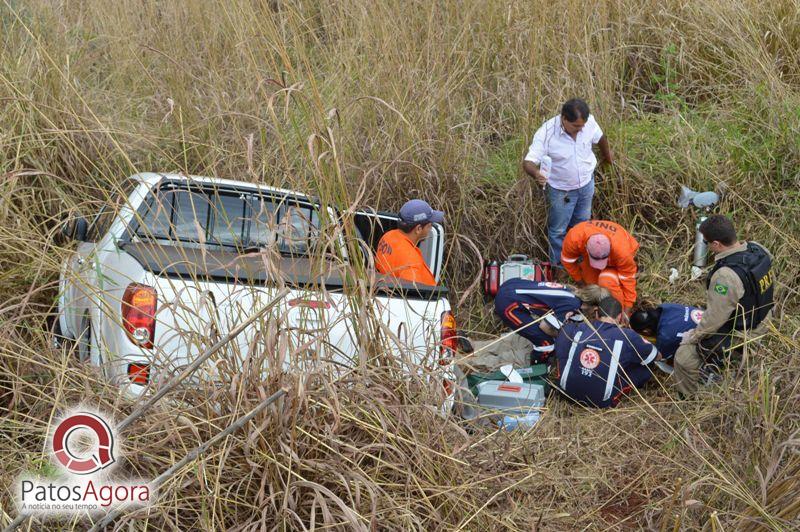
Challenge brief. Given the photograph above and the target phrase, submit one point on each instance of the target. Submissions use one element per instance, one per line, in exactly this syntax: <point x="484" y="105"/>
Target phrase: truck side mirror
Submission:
<point x="75" y="229"/>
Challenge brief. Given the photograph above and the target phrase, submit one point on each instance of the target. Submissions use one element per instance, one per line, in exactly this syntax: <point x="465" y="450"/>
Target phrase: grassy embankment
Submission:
<point x="434" y="99"/>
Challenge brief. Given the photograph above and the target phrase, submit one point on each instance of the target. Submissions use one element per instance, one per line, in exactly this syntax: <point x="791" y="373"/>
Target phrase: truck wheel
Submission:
<point x="84" y="349"/>
<point x="57" y="337"/>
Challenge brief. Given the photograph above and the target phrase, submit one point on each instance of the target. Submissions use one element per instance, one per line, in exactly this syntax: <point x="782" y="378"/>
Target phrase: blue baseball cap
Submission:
<point x="417" y="211"/>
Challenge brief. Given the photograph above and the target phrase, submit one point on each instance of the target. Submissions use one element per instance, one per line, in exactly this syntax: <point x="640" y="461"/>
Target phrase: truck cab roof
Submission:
<point x="153" y="178"/>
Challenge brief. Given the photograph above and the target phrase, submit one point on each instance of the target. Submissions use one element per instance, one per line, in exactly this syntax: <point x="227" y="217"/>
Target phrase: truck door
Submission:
<point x="77" y="287"/>
<point x="80" y="279"/>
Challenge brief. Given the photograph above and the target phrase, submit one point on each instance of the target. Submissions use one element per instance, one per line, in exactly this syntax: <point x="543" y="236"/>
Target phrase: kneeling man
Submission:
<point x="599" y="362"/>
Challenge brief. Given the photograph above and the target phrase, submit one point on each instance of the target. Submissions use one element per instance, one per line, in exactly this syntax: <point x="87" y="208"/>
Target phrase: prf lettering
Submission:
<point x="765" y="282"/>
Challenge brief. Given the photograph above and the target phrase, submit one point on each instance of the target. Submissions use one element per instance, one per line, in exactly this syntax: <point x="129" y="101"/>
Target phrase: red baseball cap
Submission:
<point x="599" y="248"/>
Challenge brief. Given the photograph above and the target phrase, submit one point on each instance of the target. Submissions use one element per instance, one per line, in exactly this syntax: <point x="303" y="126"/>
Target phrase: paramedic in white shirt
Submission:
<point x="568" y="140"/>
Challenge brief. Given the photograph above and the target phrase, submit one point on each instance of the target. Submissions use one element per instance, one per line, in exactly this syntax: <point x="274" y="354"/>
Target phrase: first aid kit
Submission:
<point x="536" y="374"/>
<point x="511" y="398"/>
<point x="516" y="266"/>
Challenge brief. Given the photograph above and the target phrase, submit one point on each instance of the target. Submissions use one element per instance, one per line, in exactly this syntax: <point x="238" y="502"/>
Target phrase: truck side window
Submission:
<point x="157" y="216"/>
<point x="231" y="219"/>
<point x="101" y="223"/>
<point x="262" y="216"/>
<point x="298" y="229"/>
<point x="228" y="220"/>
<point x="111" y="206"/>
<point x="191" y="216"/>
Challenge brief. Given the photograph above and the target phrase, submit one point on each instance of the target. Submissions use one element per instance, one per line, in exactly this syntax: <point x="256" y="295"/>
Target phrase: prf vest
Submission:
<point x="754" y="268"/>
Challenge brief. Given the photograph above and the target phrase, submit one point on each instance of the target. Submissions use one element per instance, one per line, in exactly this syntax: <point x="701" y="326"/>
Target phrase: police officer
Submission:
<point x="666" y="324"/>
<point x="739" y="290"/>
<point x="599" y="361"/>
<point x="535" y="311"/>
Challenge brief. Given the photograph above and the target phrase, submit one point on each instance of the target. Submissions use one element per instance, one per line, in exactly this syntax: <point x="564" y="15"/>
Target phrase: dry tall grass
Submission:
<point x="436" y="99"/>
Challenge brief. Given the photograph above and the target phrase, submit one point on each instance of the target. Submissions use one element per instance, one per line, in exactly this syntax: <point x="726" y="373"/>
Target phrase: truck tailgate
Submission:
<point x="204" y="294"/>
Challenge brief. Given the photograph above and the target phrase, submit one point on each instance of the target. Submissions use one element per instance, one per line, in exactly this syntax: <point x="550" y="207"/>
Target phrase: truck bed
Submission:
<point x="183" y="262"/>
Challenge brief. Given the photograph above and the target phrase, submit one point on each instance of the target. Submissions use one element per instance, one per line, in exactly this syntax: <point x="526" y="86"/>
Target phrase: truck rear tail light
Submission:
<point x="139" y="373"/>
<point x="139" y="314"/>
<point x="449" y="336"/>
<point x="448" y="387"/>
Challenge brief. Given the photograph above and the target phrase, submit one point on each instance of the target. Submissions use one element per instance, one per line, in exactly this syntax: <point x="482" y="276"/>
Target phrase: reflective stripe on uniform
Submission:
<point x="565" y="259"/>
<point x="652" y="356"/>
<point x="552" y="321"/>
<point x="612" y="369"/>
<point x="544" y="348"/>
<point x="609" y="274"/>
<point x="509" y="314"/>
<point x="569" y="359"/>
<point x="554" y="293"/>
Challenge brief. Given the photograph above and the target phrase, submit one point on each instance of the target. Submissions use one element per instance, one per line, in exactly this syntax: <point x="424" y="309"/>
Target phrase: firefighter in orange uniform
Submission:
<point x="398" y="253"/>
<point x="601" y="252"/>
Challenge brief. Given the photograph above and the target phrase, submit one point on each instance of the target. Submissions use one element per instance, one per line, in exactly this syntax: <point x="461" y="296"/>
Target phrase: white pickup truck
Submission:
<point x="176" y="262"/>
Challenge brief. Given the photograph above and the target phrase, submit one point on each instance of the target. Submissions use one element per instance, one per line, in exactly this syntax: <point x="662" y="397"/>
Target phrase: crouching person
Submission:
<point x="665" y="325"/>
<point x="604" y="253"/>
<point x="535" y="312"/>
<point x="598" y="361"/>
<point x="739" y="292"/>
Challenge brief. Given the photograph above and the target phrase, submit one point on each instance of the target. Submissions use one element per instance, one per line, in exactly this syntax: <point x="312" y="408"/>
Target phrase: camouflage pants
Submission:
<point x="691" y="359"/>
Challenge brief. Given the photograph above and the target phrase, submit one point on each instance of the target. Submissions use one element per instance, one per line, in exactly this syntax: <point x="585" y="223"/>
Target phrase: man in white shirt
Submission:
<point x="567" y="139"/>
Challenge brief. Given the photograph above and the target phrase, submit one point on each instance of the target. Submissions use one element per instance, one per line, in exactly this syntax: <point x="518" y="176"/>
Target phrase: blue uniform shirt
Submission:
<point x="599" y="362"/>
<point x="675" y="321"/>
<point x="520" y="303"/>
<point x="539" y="297"/>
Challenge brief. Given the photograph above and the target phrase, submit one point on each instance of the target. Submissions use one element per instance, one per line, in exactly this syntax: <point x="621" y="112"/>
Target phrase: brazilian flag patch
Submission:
<point x="720" y="289"/>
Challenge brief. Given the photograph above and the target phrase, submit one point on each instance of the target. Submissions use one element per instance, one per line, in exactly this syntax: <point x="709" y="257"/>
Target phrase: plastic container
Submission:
<point x="516" y="266"/>
<point x="521" y="422"/>
<point x="535" y="374"/>
<point x="518" y="403"/>
<point x="510" y="397"/>
<point x="546" y="166"/>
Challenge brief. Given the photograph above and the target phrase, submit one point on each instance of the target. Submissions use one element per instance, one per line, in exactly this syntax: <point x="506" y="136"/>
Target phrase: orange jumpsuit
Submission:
<point x="619" y="276"/>
<point x="399" y="257"/>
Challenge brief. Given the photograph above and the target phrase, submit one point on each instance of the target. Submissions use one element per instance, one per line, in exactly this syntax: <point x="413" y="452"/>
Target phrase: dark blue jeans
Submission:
<point x="564" y="214"/>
